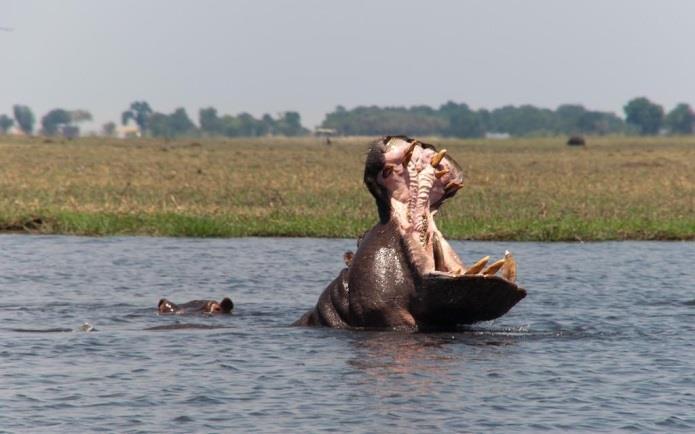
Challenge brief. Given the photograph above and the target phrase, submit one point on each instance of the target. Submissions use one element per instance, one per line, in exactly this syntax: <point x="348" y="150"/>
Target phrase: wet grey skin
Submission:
<point x="196" y="306"/>
<point x="404" y="274"/>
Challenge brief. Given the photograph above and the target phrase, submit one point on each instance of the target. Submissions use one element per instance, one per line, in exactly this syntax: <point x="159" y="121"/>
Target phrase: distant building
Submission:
<point x="128" y="131"/>
<point x="327" y="133"/>
<point x="15" y="131"/>
<point x="497" y="136"/>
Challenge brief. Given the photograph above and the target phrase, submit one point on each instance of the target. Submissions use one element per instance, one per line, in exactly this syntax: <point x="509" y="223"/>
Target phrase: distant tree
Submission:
<point x="52" y="121"/>
<point x="290" y="124"/>
<point x="139" y="112"/>
<point x="25" y="118"/>
<point x="181" y="124"/>
<point x="80" y="116"/>
<point x="595" y="122"/>
<point x="231" y="126"/>
<point x="209" y="122"/>
<point x="159" y="125"/>
<point x="681" y="120"/>
<point x="173" y="125"/>
<point x="6" y="123"/>
<point x="248" y="125"/>
<point x="269" y="124"/>
<point x="524" y="120"/>
<point x="108" y="129"/>
<point x="458" y="120"/>
<point x="569" y="117"/>
<point x="71" y="130"/>
<point x="645" y="115"/>
<point x="374" y="121"/>
<point x="63" y="121"/>
<point x="462" y="121"/>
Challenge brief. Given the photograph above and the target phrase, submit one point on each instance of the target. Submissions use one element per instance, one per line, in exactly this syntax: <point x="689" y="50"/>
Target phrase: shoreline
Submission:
<point x="181" y="225"/>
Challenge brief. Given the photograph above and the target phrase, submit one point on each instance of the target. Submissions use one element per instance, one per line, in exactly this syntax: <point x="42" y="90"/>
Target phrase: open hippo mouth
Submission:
<point x="410" y="181"/>
<point x="404" y="273"/>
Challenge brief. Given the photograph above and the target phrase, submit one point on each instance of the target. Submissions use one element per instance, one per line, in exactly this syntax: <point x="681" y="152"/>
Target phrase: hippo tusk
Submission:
<point x="409" y="153"/>
<point x="438" y="174"/>
<point x="494" y="267"/>
<point x="437" y="158"/>
<point x="475" y="268"/>
<point x="509" y="268"/>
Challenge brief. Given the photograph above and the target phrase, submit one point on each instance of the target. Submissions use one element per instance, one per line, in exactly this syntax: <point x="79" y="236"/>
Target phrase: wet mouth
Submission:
<point x="419" y="179"/>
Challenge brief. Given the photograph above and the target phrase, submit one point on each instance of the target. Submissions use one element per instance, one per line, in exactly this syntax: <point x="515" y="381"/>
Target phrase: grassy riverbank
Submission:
<point x="531" y="189"/>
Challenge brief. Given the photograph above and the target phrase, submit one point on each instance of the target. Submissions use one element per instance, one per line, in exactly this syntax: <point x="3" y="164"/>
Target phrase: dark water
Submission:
<point x="604" y="342"/>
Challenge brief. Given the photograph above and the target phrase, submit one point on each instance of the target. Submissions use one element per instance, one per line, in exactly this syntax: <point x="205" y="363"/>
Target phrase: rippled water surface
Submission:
<point x="603" y="342"/>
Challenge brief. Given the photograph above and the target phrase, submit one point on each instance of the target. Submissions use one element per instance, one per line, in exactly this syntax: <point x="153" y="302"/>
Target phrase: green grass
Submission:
<point x="531" y="189"/>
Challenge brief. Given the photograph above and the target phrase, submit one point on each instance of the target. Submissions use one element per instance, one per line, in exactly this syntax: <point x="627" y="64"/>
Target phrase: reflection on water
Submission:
<point x="603" y="342"/>
<point x="398" y="353"/>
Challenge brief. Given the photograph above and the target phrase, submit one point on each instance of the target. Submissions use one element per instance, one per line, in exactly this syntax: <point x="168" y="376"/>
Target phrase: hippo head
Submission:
<point x="404" y="273"/>
<point x="225" y="306"/>
<point x="165" y="306"/>
<point x="196" y="306"/>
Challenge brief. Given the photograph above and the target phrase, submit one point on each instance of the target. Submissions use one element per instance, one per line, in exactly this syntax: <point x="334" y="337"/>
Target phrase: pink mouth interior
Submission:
<point x="417" y="188"/>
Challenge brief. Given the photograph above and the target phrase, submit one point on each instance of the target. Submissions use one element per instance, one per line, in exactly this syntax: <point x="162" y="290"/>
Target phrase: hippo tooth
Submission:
<point x="475" y="268"/>
<point x="409" y="153"/>
<point x="437" y="158"/>
<point x="494" y="267"/>
<point x="509" y="268"/>
<point x="438" y="174"/>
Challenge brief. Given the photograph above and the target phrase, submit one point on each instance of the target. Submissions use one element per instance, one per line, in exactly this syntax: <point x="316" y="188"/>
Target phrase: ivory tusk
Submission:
<point x="475" y="268"/>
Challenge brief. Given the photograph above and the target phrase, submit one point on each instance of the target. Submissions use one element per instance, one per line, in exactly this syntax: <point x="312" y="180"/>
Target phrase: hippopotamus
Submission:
<point x="404" y="275"/>
<point x="196" y="306"/>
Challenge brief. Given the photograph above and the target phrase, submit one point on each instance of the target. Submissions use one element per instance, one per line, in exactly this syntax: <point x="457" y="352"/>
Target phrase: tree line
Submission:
<point x="177" y="123"/>
<point x="155" y="124"/>
<point x="451" y="119"/>
<point x="642" y="116"/>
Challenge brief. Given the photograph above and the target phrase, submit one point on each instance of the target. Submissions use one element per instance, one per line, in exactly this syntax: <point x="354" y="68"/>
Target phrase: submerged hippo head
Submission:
<point x="196" y="306"/>
<point x="404" y="274"/>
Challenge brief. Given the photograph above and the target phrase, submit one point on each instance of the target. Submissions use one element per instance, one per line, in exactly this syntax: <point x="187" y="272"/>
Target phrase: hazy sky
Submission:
<point x="270" y="56"/>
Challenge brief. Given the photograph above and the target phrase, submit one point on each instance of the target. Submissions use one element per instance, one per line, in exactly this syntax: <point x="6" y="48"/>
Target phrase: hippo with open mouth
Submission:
<point x="404" y="274"/>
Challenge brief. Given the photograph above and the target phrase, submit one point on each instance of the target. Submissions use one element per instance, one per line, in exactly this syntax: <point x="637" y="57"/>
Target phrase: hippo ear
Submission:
<point x="227" y="305"/>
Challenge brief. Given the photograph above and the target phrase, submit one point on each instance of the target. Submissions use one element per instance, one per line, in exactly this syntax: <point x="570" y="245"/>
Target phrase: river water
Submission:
<point x="604" y="341"/>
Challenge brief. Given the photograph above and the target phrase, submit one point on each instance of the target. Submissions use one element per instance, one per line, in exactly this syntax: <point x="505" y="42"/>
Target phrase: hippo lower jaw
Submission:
<point x="404" y="273"/>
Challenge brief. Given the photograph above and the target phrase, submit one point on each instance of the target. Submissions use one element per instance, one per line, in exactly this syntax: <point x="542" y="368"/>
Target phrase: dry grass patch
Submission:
<point x="615" y="188"/>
